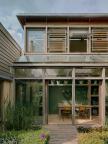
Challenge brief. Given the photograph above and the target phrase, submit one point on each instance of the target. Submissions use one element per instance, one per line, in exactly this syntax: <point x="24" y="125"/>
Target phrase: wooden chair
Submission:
<point x="83" y="112"/>
<point x="66" y="112"/>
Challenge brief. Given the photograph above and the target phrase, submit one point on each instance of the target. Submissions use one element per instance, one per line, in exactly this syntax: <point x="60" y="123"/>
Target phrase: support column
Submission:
<point x="73" y="96"/>
<point x="67" y="47"/>
<point x="46" y="39"/>
<point x="45" y="109"/>
<point x="102" y="99"/>
<point x="89" y="41"/>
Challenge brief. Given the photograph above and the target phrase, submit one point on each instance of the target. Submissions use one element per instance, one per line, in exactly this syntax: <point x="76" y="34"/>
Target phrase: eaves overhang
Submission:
<point x="61" y="17"/>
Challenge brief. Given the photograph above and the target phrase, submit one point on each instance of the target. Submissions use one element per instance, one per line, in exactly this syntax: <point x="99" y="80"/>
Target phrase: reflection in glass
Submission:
<point x="106" y="72"/>
<point x="37" y="73"/>
<point x="44" y="58"/>
<point x="106" y="102"/>
<point x="89" y="72"/>
<point x="30" y="93"/>
<point x="36" y="40"/>
<point x="58" y="72"/>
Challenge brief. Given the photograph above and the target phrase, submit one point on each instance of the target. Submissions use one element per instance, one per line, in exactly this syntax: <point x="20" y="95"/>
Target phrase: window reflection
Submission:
<point x="30" y="93"/>
<point x="36" y="40"/>
<point x="106" y="101"/>
<point x="58" y="72"/>
<point x="28" y="73"/>
<point x="89" y="72"/>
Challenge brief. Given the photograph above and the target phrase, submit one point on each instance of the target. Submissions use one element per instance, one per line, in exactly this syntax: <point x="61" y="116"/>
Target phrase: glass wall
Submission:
<point x="60" y="40"/>
<point x="58" y="72"/>
<point x="87" y="100"/>
<point x="78" y="38"/>
<point x="36" y="40"/>
<point x="106" y="101"/>
<point x="59" y="89"/>
<point x="34" y="73"/>
<point x="88" y="72"/>
<point x="30" y="93"/>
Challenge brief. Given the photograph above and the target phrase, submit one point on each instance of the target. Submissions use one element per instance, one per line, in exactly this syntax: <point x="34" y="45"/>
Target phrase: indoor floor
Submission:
<point x="54" y="119"/>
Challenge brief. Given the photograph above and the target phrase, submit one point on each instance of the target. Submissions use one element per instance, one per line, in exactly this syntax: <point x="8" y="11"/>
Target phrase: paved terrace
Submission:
<point x="62" y="134"/>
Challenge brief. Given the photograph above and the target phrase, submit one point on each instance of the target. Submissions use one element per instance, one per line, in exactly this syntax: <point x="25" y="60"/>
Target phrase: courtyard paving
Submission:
<point x="62" y="134"/>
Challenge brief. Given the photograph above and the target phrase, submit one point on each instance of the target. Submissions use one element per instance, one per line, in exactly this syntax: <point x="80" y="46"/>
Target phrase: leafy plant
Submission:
<point x="24" y="137"/>
<point x="82" y="129"/>
<point x="9" y="138"/>
<point x="18" y="117"/>
<point x="67" y="93"/>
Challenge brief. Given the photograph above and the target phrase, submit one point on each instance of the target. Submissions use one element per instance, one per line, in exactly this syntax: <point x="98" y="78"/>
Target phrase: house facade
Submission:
<point x="64" y="68"/>
<point x="9" y="51"/>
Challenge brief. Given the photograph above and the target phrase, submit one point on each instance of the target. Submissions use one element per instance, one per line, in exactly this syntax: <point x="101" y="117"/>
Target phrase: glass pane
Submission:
<point x="89" y="72"/>
<point x="37" y="73"/>
<point x="87" y="101"/>
<point x="59" y="101"/>
<point x="106" y="102"/>
<point x="30" y="93"/>
<point x="106" y="72"/>
<point x="58" y="72"/>
<point x="63" y="58"/>
<point x="36" y="40"/>
<point x="81" y="92"/>
<point x="78" y="39"/>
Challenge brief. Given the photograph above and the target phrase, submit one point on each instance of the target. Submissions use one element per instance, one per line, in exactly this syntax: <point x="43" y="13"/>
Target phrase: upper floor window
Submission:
<point x="99" y="40"/>
<point x="36" y="40"/>
<point x="64" y="40"/>
<point x="57" y="40"/>
<point x="78" y="38"/>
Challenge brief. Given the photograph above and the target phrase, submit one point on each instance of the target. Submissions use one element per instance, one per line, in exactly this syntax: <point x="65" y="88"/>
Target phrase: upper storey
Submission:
<point x="65" y="33"/>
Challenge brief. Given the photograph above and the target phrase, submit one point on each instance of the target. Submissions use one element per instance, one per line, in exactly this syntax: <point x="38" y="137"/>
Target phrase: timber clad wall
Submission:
<point x="9" y="51"/>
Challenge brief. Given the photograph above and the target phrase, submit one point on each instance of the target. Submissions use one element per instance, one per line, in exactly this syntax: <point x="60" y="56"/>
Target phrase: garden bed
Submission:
<point x="24" y="137"/>
<point x="93" y="136"/>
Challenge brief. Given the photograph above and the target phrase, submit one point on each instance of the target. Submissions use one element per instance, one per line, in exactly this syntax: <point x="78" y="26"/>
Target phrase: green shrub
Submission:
<point x="9" y="138"/>
<point x="24" y="137"/>
<point x="32" y="137"/>
<point x="18" y="117"/>
<point x="93" y="137"/>
<point x="82" y="129"/>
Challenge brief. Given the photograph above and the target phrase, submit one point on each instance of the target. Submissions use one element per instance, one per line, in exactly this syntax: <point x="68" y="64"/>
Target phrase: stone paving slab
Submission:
<point x="62" y="134"/>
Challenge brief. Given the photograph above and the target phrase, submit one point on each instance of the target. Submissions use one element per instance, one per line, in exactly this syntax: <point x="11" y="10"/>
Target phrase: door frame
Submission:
<point x="74" y="78"/>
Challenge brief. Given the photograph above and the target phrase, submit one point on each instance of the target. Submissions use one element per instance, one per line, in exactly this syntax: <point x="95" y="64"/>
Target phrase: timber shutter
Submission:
<point x="57" y="40"/>
<point x="99" y="40"/>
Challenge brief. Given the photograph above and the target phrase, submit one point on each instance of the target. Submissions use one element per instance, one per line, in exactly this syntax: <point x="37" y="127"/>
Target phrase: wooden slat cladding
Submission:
<point x="99" y="40"/>
<point x="57" y="40"/>
<point x="9" y="51"/>
<point x="8" y="43"/>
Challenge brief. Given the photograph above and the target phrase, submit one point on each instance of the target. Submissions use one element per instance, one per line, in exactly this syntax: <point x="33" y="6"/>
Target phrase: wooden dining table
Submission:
<point x="68" y="107"/>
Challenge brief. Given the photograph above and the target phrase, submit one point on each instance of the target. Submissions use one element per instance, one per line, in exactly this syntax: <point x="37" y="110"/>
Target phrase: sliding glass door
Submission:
<point x="60" y="101"/>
